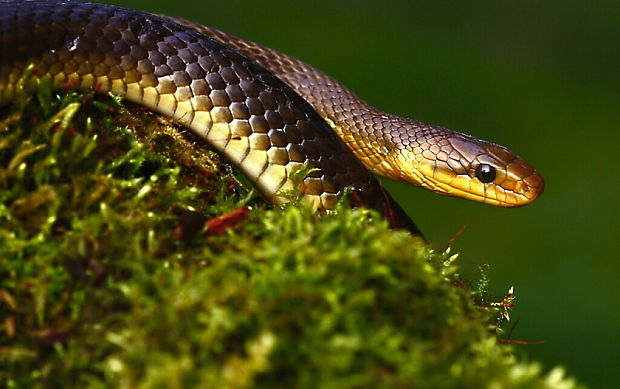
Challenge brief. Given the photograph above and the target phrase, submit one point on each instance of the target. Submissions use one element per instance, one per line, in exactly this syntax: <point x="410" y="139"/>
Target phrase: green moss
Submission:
<point x="108" y="278"/>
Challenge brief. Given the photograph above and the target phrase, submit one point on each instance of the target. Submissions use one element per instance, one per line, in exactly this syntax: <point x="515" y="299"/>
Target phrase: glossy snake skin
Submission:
<point x="403" y="149"/>
<point x="268" y="113"/>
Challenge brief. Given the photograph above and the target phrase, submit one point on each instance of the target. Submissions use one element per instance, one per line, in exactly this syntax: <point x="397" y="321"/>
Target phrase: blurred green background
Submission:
<point x="541" y="78"/>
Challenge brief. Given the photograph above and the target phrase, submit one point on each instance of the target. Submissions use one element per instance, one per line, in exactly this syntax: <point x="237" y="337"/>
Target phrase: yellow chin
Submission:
<point x="445" y="182"/>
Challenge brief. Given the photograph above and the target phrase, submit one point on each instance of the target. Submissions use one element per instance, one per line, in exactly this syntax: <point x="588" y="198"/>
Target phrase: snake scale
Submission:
<point x="268" y="113"/>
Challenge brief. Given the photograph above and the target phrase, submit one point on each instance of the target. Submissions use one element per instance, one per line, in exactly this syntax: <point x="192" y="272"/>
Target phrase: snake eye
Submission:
<point x="485" y="173"/>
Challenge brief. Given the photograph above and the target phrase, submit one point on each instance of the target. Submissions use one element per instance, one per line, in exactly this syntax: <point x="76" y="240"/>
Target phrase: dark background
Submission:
<point x="541" y="78"/>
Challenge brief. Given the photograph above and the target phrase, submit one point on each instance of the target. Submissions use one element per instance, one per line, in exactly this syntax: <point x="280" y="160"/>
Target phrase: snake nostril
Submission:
<point x="485" y="173"/>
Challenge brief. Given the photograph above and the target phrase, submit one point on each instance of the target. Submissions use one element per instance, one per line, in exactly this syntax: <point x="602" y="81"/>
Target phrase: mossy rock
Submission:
<point x="132" y="257"/>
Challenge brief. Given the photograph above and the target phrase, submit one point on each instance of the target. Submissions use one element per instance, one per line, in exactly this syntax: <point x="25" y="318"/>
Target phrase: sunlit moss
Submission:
<point x="108" y="278"/>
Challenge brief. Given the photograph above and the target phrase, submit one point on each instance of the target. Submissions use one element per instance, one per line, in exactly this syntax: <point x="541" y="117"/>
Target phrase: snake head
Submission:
<point x="460" y="165"/>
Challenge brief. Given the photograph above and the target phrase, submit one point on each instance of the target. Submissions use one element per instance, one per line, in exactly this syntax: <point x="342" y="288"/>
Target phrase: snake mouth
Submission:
<point x="525" y="192"/>
<point x="521" y="193"/>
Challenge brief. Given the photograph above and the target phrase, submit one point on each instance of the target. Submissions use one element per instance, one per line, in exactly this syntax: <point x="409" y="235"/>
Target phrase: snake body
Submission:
<point x="268" y="113"/>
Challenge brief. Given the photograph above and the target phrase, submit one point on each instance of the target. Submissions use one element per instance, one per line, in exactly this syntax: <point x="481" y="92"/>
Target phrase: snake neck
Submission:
<point x="403" y="149"/>
<point x="361" y="126"/>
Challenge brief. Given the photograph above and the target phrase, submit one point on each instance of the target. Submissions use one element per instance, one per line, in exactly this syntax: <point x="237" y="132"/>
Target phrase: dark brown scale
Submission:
<point x="239" y="111"/>
<point x="132" y="49"/>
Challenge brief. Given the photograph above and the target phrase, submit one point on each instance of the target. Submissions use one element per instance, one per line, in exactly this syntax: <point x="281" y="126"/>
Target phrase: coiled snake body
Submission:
<point x="266" y="112"/>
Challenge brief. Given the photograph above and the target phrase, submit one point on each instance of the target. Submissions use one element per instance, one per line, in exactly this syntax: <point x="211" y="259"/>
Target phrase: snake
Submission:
<point x="268" y="113"/>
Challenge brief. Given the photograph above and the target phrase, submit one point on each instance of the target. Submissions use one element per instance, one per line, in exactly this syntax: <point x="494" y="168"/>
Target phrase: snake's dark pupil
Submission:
<point x="485" y="173"/>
